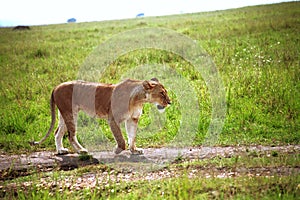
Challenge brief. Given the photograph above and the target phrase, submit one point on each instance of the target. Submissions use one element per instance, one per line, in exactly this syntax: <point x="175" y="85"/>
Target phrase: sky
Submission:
<point x="40" y="12"/>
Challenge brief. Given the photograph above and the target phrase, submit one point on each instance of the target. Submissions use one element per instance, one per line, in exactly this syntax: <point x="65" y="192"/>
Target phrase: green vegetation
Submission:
<point x="256" y="50"/>
<point x="239" y="177"/>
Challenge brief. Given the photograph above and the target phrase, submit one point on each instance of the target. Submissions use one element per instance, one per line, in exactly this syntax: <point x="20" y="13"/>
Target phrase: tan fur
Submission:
<point x="117" y="103"/>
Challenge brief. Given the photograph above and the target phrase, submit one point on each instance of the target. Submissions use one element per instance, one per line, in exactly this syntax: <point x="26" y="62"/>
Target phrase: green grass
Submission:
<point x="252" y="181"/>
<point x="185" y="188"/>
<point x="255" y="49"/>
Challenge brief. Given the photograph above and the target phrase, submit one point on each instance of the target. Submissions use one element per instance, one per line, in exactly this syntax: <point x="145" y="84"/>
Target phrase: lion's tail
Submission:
<point x="53" y="119"/>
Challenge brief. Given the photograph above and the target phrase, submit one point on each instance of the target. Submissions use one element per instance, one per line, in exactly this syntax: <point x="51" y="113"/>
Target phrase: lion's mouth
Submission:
<point x="161" y="108"/>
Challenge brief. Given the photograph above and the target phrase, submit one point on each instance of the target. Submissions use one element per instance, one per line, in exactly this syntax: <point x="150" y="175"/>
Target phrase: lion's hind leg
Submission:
<point x="71" y="126"/>
<point x="75" y="144"/>
<point x="59" y="133"/>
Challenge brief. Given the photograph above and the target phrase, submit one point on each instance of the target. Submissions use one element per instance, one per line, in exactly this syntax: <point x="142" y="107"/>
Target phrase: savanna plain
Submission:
<point x="256" y="52"/>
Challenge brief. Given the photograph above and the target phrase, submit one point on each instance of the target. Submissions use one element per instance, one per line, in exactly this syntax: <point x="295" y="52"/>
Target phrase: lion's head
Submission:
<point x="157" y="94"/>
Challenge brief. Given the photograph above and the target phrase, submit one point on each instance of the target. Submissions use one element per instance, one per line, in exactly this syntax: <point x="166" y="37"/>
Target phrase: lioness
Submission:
<point x="116" y="103"/>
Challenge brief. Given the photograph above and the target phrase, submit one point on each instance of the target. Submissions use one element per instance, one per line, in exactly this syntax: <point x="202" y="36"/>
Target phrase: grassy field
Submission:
<point x="255" y="49"/>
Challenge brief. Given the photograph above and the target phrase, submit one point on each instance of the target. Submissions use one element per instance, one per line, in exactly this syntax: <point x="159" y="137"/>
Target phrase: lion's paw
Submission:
<point x="137" y="151"/>
<point x="118" y="150"/>
<point x="63" y="151"/>
<point x="82" y="151"/>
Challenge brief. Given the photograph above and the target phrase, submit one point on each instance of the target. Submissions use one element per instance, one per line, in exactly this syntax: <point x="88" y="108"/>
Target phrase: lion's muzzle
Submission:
<point x="161" y="108"/>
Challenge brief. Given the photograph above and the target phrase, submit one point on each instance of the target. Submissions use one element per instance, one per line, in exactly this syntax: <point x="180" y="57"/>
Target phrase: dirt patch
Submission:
<point x="12" y="166"/>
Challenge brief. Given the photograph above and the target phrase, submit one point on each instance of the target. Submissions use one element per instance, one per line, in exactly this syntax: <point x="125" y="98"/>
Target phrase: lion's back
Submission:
<point x="93" y="98"/>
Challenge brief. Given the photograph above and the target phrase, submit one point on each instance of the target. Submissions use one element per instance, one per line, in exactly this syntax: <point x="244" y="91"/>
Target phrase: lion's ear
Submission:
<point x="154" y="79"/>
<point x="148" y="85"/>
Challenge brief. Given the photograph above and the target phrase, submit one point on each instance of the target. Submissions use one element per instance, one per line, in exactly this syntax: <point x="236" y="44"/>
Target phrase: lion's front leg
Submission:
<point x="115" y="129"/>
<point x="131" y="127"/>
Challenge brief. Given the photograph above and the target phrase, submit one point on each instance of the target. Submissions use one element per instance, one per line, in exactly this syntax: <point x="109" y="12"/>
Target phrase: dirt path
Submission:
<point x="12" y="166"/>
